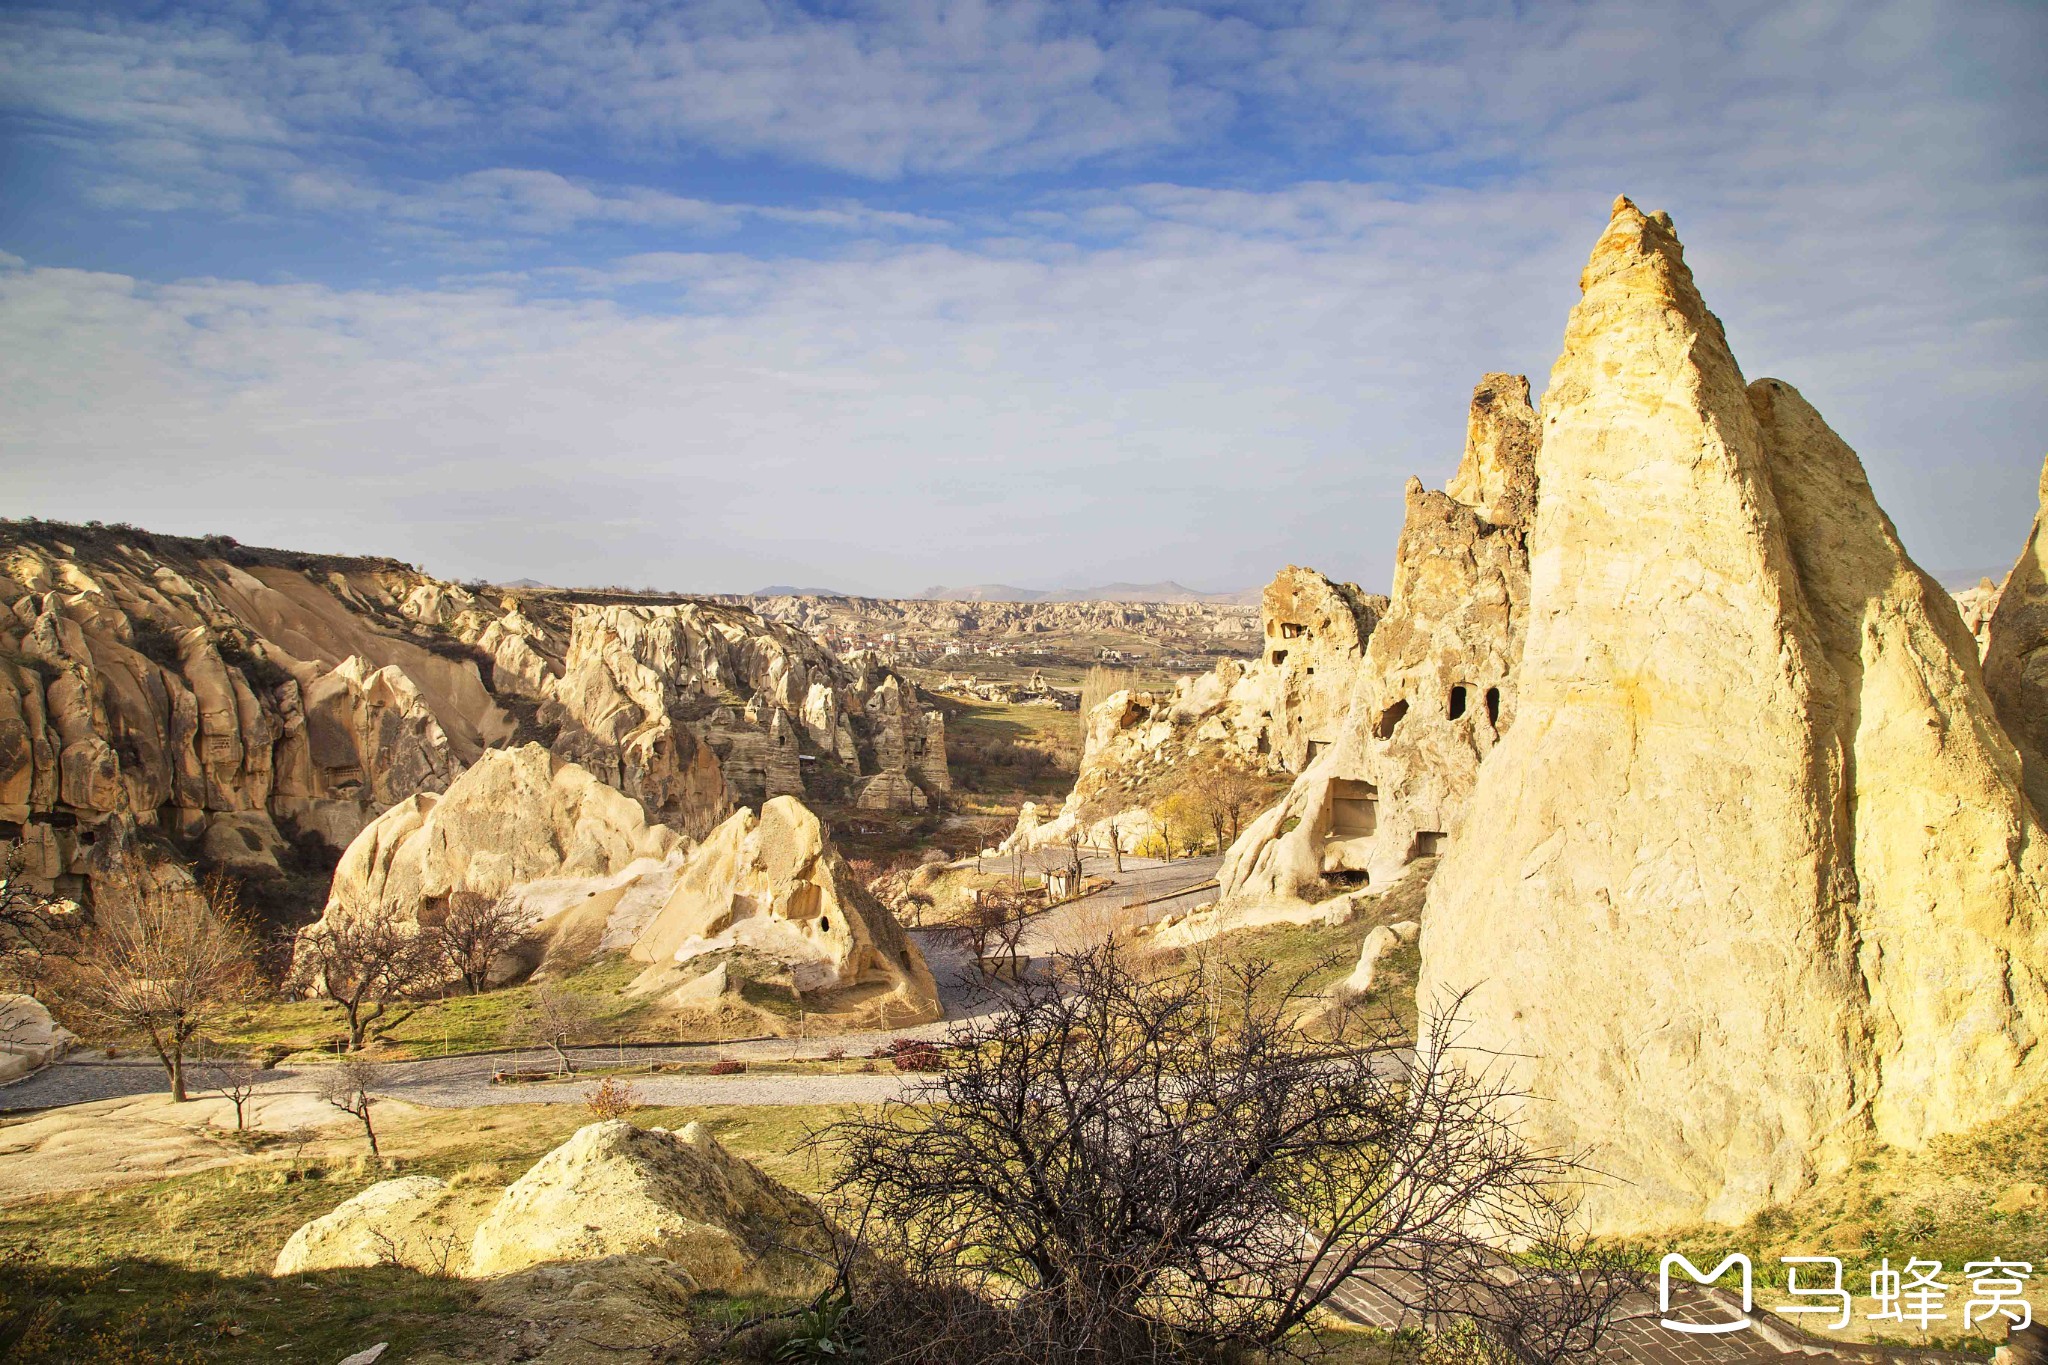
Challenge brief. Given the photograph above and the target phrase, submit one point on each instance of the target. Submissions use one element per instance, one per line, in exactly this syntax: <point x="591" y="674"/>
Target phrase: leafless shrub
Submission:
<point x="475" y="932"/>
<point x="347" y="1085"/>
<point x="364" y="961"/>
<point x="1118" y="1167"/>
<point x="166" y="968"/>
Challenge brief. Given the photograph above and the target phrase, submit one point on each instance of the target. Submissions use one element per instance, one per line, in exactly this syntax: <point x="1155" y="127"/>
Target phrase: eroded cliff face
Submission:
<point x="208" y="700"/>
<point x="1752" y="881"/>
<point x="1429" y="700"/>
<point x="2015" y="642"/>
<point x="1271" y="715"/>
<point x="157" y="684"/>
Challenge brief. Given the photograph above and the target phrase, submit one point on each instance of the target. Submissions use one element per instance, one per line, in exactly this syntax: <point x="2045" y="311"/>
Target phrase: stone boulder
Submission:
<point x="1756" y="835"/>
<point x="617" y="1190"/>
<point x="523" y="823"/>
<point x="774" y="885"/>
<point x="403" y="1221"/>
<point x="29" y="1038"/>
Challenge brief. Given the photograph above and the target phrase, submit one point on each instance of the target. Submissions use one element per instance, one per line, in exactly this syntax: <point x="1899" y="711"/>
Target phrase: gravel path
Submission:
<point x="464" y="1081"/>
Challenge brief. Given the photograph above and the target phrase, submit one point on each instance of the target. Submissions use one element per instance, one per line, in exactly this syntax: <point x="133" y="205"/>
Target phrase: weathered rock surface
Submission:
<point x="403" y="1221"/>
<point x="29" y="1038"/>
<point x="179" y="685"/>
<point x="577" y="855"/>
<point x="2016" y="654"/>
<point x="1271" y="715"/>
<point x="773" y="885"/>
<point x="1756" y="835"/>
<point x="617" y="1190"/>
<point x="1431" y="697"/>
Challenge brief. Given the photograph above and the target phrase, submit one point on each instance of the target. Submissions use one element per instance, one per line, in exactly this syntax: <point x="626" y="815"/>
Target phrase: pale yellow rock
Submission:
<point x="404" y="1222"/>
<point x="774" y="885"/>
<point x="519" y="823"/>
<point x="616" y="1190"/>
<point x="29" y="1038"/>
<point x="1749" y="885"/>
<point x="2016" y="653"/>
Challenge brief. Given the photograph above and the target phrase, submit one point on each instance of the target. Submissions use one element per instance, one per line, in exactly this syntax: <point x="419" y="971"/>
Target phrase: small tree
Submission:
<point x="347" y="1085"/>
<point x="1168" y="1167"/>
<point x="554" y="1018"/>
<point x="167" y="967"/>
<point x="234" y="1078"/>
<point x="363" y="961"/>
<point x="474" y="933"/>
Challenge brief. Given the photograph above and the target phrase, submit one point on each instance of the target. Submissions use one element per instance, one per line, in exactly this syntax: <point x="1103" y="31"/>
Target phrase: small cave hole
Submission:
<point x="1383" y="728"/>
<point x="1460" y="696"/>
<point x="1279" y="657"/>
<point x="824" y="924"/>
<point x="1493" y="706"/>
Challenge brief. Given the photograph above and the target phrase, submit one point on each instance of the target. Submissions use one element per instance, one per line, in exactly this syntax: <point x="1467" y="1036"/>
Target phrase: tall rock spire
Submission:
<point x="1698" y="840"/>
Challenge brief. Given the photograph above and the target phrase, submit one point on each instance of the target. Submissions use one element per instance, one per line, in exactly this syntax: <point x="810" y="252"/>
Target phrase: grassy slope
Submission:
<point x="178" y="1270"/>
<point x="1969" y="1198"/>
<point x="461" y="1023"/>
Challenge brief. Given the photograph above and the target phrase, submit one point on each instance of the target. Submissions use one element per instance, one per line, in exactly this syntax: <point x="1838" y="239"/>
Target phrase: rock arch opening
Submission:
<point x="1461" y="696"/>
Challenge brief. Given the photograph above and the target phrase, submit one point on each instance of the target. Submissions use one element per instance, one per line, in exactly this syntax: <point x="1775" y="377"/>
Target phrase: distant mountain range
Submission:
<point x="1109" y="592"/>
<point x="784" y="590"/>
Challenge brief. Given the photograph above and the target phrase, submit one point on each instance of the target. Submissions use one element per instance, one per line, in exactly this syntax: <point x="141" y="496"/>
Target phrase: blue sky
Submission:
<point x="877" y="296"/>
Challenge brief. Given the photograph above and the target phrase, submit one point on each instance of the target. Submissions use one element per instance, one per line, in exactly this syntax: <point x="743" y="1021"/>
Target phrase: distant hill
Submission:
<point x="1109" y="592"/>
<point x="525" y="583"/>
<point x="784" y="590"/>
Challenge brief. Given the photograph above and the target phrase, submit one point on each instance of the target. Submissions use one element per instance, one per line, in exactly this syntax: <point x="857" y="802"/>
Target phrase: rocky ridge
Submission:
<point x="165" y="700"/>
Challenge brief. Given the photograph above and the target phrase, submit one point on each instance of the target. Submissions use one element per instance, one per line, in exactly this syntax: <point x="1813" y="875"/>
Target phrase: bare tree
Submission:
<point x="347" y="1085"/>
<point x="475" y="932"/>
<point x="235" y="1078"/>
<point x="363" y="961"/>
<point x="1144" y="1166"/>
<point x="555" y="1018"/>
<point x="1106" y="807"/>
<point x="992" y="929"/>
<point x="166" y="967"/>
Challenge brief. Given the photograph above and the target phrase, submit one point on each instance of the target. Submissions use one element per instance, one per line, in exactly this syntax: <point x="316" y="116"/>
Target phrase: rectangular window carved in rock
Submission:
<point x="1354" y="809"/>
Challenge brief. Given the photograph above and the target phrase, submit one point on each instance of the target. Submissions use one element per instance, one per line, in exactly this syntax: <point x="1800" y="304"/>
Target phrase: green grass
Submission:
<point x="460" y="1023"/>
<point x="177" y="1270"/>
<point x="1972" y="1197"/>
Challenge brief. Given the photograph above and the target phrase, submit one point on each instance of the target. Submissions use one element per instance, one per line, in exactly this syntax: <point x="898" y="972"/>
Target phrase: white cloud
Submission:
<point x="1189" y="398"/>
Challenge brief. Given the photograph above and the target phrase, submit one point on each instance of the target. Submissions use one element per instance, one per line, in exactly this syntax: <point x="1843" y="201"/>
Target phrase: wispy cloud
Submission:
<point x="1191" y="286"/>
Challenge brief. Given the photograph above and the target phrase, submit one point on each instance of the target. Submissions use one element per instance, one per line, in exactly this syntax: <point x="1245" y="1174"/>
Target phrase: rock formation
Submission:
<point x="773" y="885"/>
<point x="1271" y="715"/>
<point x="578" y="856"/>
<point x="231" y="699"/>
<point x="1431" y="697"/>
<point x="1751" y="883"/>
<point x="403" y="1220"/>
<point x="29" y="1038"/>
<point x="2016" y="654"/>
<point x="617" y="1190"/>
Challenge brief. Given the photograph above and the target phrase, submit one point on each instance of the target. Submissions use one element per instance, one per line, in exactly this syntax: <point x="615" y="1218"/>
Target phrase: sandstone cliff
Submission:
<point x="1271" y="715"/>
<point x="187" y="700"/>
<point x="1751" y="883"/>
<point x="2015" y="638"/>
